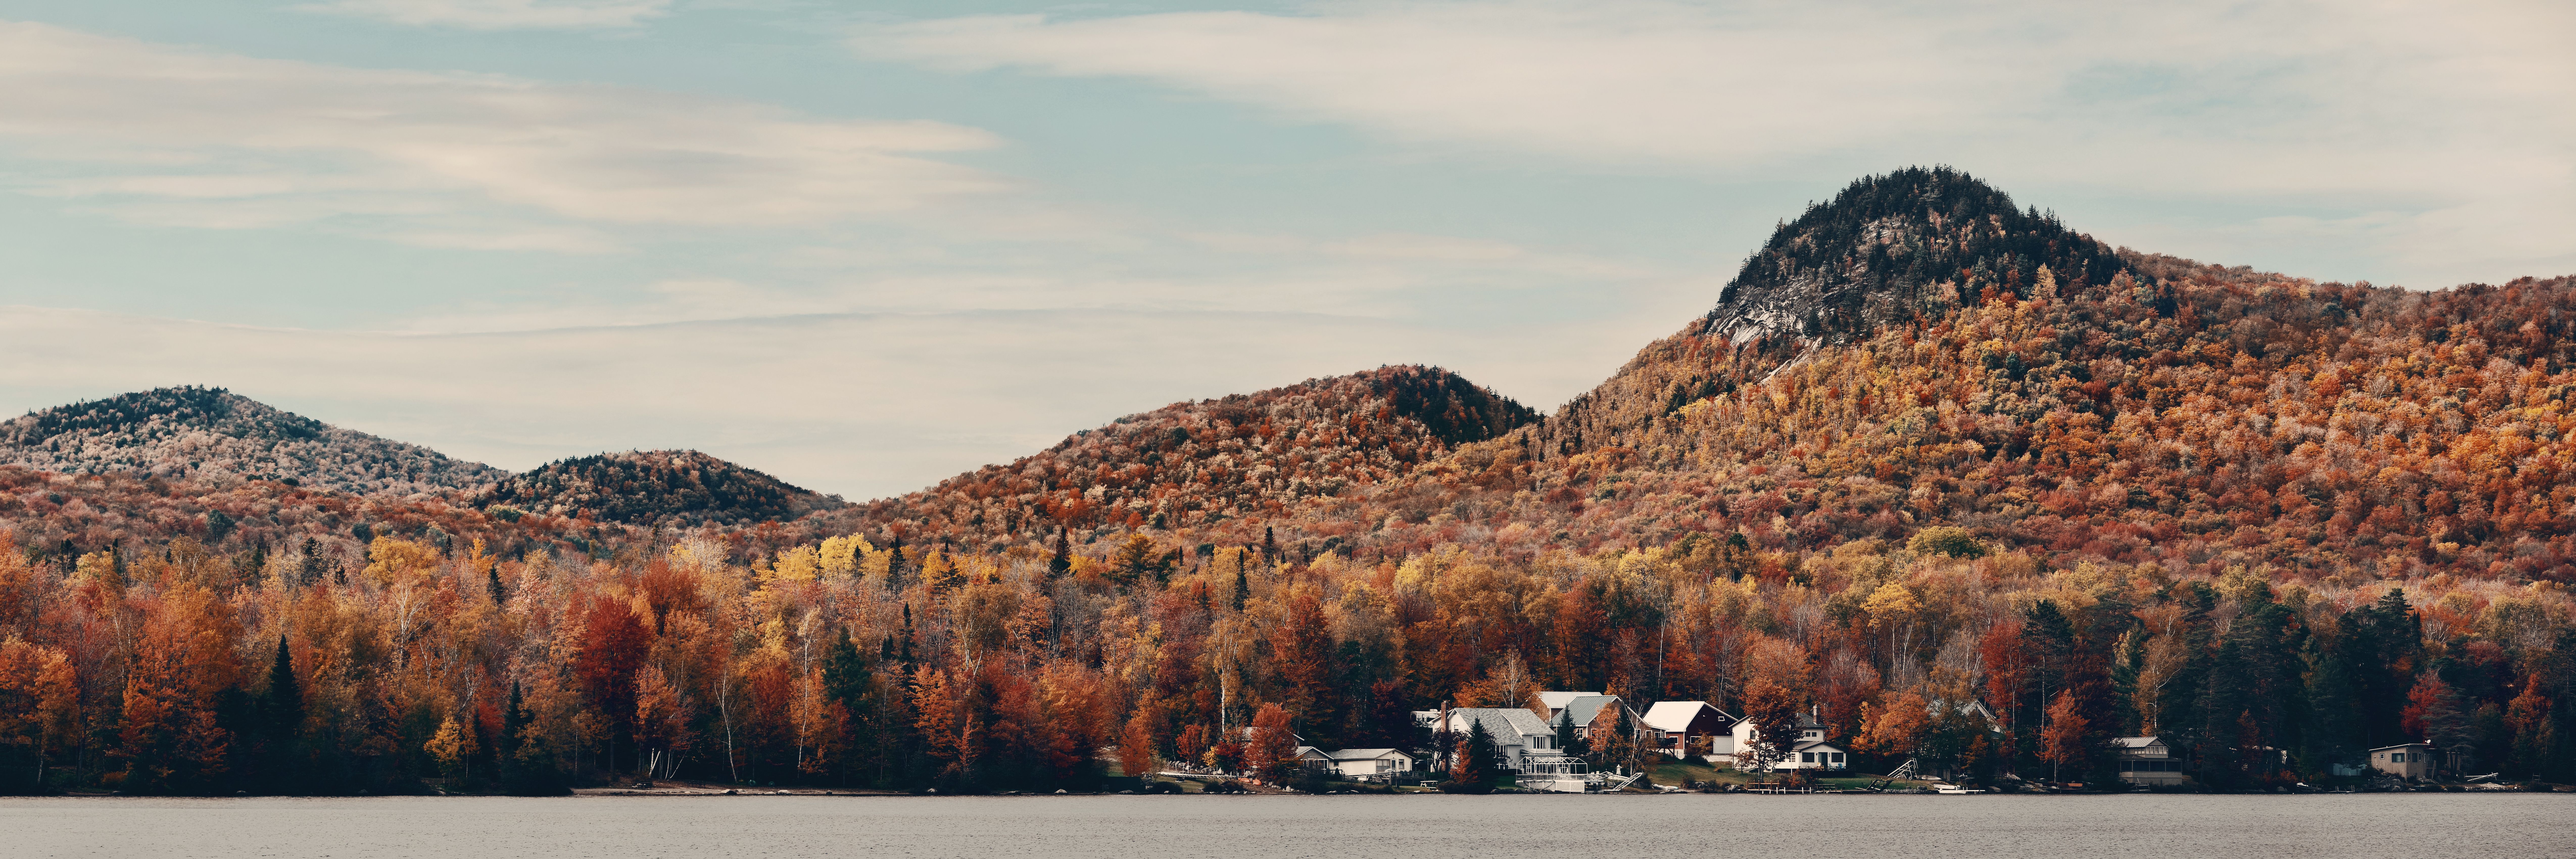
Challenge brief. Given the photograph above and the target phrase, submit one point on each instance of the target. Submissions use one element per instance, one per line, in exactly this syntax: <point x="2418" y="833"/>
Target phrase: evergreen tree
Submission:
<point x="2395" y="641"/>
<point x="1062" y="562"/>
<point x="310" y="569"/>
<point x="492" y="585"/>
<point x="846" y="682"/>
<point x="1474" y="770"/>
<point x="527" y="770"/>
<point x="281" y="718"/>
<point x="2333" y="734"/>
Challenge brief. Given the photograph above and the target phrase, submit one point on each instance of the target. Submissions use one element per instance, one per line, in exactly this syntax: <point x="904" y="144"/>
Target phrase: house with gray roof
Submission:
<point x="1519" y="735"/>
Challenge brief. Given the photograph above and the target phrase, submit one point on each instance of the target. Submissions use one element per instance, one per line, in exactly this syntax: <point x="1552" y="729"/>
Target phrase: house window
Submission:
<point x="1806" y="757"/>
<point x="2397" y="757"/>
<point x="1838" y="757"/>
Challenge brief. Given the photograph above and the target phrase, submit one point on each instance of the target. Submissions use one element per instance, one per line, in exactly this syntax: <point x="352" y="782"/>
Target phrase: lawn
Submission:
<point x="1676" y="773"/>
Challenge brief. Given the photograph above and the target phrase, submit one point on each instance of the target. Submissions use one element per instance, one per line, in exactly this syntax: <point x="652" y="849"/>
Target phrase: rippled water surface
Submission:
<point x="1275" y="827"/>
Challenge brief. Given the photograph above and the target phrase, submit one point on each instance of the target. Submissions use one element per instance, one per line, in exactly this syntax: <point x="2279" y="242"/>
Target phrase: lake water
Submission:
<point x="2490" y="826"/>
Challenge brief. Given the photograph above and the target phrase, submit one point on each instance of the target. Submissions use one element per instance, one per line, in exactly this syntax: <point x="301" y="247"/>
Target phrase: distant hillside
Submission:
<point x="1247" y="456"/>
<point x="196" y="432"/>
<point x="660" y="487"/>
<point x="2173" y="412"/>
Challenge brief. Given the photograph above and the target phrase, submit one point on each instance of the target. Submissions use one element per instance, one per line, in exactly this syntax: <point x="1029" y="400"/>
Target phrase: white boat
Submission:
<point x="1952" y="788"/>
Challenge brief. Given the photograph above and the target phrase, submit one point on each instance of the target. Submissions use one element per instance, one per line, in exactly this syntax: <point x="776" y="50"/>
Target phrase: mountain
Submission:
<point x="1241" y="459"/>
<point x="660" y="487"/>
<point x="2126" y="408"/>
<point x="1907" y="245"/>
<point x="198" y="432"/>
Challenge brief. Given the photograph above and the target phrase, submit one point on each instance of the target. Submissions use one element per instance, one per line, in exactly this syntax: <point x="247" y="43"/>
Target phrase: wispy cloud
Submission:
<point x="501" y="14"/>
<point x="2451" y="114"/>
<point x="181" y="137"/>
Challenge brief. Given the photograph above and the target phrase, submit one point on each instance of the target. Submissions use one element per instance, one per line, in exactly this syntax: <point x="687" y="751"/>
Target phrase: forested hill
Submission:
<point x="661" y="487"/>
<point x="196" y="432"/>
<point x="1243" y="458"/>
<point x="2171" y="412"/>
<point x="2104" y="496"/>
<point x="1911" y="246"/>
<point x="1907" y="245"/>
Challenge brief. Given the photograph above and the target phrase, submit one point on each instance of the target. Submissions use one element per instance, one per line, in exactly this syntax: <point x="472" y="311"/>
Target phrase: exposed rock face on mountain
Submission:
<point x="1915" y="244"/>
<point x="660" y="487"/>
<point x="205" y="432"/>
<point x="1909" y="244"/>
<point x="1248" y="456"/>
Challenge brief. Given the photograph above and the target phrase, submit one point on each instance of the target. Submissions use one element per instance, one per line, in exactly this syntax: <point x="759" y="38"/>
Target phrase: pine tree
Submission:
<point x="1473" y="771"/>
<point x="281" y="718"/>
<point x="1062" y="562"/>
<point x="310" y="568"/>
<point x="492" y="585"/>
<point x="847" y="682"/>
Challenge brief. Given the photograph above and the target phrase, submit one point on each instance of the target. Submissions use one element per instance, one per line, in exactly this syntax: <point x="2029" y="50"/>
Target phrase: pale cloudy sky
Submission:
<point x="867" y="245"/>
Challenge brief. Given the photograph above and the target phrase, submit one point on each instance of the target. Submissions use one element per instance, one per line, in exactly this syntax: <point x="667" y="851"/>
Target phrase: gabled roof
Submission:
<point x="2133" y="742"/>
<point x="1813" y="745"/>
<point x="1507" y="724"/>
<point x="1364" y="754"/>
<point x="1583" y="710"/>
<point x="2402" y="746"/>
<point x="1676" y="716"/>
<point x="1558" y="700"/>
<point x="1972" y="706"/>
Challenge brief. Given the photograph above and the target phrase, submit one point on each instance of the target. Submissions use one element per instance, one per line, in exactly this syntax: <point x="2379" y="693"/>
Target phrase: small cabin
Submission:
<point x="2147" y="760"/>
<point x="1357" y="764"/>
<point x="2404" y="760"/>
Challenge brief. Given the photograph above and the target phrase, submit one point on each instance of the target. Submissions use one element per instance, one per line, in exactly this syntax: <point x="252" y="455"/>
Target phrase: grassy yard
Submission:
<point x="1677" y="773"/>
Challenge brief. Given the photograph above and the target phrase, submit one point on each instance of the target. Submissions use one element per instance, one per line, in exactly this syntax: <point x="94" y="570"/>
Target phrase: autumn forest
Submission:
<point x="1928" y="448"/>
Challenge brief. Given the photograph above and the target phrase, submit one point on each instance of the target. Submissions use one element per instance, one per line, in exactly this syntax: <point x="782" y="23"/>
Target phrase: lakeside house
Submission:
<point x="1810" y="751"/>
<point x="1551" y="703"/>
<point x="1518" y="733"/>
<point x="2147" y="760"/>
<point x="1524" y="746"/>
<point x="1357" y="764"/>
<point x="2404" y="760"/>
<point x="1582" y="709"/>
<point x="1683" y="728"/>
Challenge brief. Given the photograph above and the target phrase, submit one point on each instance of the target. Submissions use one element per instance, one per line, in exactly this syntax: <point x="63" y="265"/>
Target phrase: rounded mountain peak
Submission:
<point x="1900" y="246"/>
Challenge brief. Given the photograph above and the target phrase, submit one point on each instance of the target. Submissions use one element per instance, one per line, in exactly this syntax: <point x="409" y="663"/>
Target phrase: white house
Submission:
<point x="1556" y="701"/>
<point x="1357" y="764"/>
<point x="1518" y="734"/>
<point x="1809" y="751"/>
<point x="2147" y="760"/>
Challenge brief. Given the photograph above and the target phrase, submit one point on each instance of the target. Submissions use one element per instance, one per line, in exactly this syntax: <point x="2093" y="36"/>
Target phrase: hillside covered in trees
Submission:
<point x="1927" y="449"/>
<point x="1248" y="458"/>
<point x="210" y="433"/>
<point x="661" y="487"/>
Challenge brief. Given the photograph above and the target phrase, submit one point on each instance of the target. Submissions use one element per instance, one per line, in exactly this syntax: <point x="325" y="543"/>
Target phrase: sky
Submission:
<point x="864" y="246"/>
